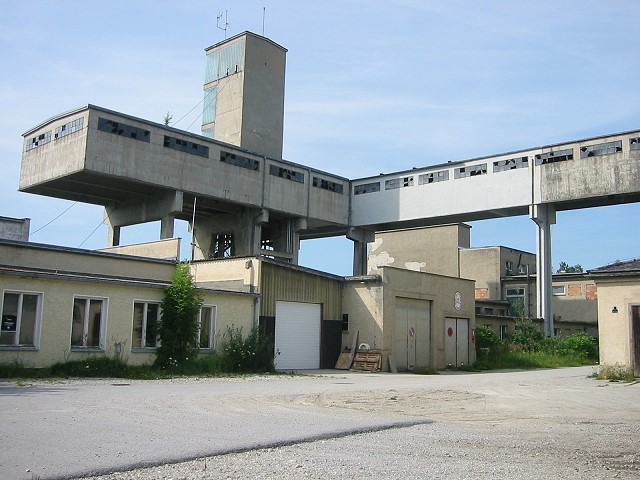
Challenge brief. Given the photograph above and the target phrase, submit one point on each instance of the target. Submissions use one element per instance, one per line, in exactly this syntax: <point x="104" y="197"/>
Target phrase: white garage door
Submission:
<point x="297" y="335"/>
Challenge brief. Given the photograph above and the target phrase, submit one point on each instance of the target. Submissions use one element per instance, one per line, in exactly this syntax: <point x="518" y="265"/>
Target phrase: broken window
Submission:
<point x="222" y="246"/>
<point x="515" y="297"/>
<point x="441" y="176"/>
<point x="634" y="143"/>
<point x="553" y="157"/>
<point x="39" y="140"/>
<point x="186" y="146"/>
<point x="366" y="188"/>
<point x="129" y="131"/>
<point x="206" y="327"/>
<point x="511" y="164"/>
<point x="286" y="173"/>
<point x="470" y="171"/>
<point x="398" y="183"/>
<point x="69" y="128"/>
<point x="239" y="161"/>
<point x="601" y="149"/>
<point x="21" y="314"/>
<point x="88" y="322"/>
<point x="146" y="317"/>
<point x="328" y="185"/>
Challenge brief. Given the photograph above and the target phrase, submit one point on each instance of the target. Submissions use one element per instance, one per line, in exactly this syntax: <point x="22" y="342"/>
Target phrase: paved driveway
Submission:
<point x="81" y="427"/>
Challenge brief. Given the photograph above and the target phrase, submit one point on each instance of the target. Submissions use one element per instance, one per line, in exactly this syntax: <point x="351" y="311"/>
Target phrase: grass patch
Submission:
<point x="425" y="371"/>
<point x="530" y="360"/>
<point x="616" y="373"/>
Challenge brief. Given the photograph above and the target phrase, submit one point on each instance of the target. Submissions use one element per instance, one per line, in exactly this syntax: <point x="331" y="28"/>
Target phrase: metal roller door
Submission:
<point x="297" y="336"/>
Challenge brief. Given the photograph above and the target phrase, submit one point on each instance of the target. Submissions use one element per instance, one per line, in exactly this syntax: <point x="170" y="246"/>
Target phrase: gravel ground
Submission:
<point x="544" y="424"/>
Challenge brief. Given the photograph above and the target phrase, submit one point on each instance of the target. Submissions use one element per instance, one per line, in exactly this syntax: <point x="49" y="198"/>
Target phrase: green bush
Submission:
<point x="579" y="344"/>
<point x="526" y="335"/>
<point x="488" y="344"/>
<point x="253" y="353"/>
<point x="178" y="327"/>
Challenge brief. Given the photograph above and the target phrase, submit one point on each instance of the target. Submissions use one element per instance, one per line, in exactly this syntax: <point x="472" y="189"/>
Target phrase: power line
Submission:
<point x="89" y="236"/>
<point x="51" y="221"/>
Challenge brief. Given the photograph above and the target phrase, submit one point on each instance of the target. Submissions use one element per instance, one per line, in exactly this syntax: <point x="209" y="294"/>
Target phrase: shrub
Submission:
<point x="487" y="342"/>
<point x="178" y="327"/>
<point x="583" y="345"/>
<point x="526" y="335"/>
<point x="253" y="353"/>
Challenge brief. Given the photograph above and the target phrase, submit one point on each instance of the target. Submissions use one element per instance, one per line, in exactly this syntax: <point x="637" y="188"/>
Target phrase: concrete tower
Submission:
<point x="244" y="93"/>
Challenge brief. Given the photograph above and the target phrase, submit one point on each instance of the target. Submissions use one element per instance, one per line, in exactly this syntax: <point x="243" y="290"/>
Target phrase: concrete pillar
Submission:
<point x="166" y="226"/>
<point x="163" y="208"/>
<point x="113" y="235"/>
<point x="544" y="215"/>
<point x="360" y="239"/>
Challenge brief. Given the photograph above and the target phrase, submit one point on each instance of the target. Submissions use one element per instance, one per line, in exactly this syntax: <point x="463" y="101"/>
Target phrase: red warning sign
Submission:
<point x="450" y="331"/>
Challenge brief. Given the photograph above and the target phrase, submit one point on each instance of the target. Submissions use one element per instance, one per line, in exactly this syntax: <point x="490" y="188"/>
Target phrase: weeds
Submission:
<point x="616" y="373"/>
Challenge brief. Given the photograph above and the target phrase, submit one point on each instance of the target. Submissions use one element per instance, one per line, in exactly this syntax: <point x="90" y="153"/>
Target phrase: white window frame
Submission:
<point x="559" y="293"/>
<point x="85" y="324"/>
<point x="143" y="333"/>
<point x="212" y="327"/>
<point x="38" y="322"/>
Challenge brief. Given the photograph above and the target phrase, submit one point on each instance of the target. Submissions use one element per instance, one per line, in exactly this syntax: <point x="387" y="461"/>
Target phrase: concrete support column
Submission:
<point x="166" y="226"/>
<point x="258" y="221"/>
<point x="544" y="215"/>
<point x="113" y="235"/>
<point x="360" y="239"/>
<point x="163" y="208"/>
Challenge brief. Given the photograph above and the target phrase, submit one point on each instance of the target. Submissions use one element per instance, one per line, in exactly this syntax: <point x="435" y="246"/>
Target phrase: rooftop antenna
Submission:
<point x="226" y="23"/>
<point x="264" y="12"/>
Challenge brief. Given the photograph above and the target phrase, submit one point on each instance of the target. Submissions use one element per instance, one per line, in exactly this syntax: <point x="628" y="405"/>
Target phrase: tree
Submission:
<point x="167" y="119"/>
<point x="565" y="268"/>
<point x="178" y="327"/>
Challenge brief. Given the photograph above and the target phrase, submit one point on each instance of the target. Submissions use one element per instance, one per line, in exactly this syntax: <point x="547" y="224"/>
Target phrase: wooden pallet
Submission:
<point x="367" y="361"/>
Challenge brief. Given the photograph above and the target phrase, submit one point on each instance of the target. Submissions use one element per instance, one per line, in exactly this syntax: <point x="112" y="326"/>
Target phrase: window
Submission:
<point x="553" y="157"/>
<point x="129" y="131"/>
<point x="286" y="173"/>
<point x="345" y="322"/>
<point x="398" y="183"/>
<point x="206" y="327"/>
<point x="222" y="246"/>
<point x="146" y="317"/>
<point x="601" y="149"/>
<point x="186" y="146"/>
<point x="504" y="332"/>
<point x="511" y="164"/>
<point x="509" y="265"/>
<point x="426" y="178"/>
<point x="239" y="161"/>
<point x="366" y="188"/>
<point x="559" y="290"/>
<point x="515" y="297"/>
<point x="522" y="269"/>
<point x="488" y="311"/>
<point x="69" y="128"/>
<point x="470" y="171"/>
<point x="88" y="324"/>
<point x="634" y="143"/>
<point x="21" y="314"/>
<point x="39" y="140"/>
<point x="328" y="185"/>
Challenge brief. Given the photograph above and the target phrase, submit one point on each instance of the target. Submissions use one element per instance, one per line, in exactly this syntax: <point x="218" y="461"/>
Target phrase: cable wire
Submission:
<point x="51" y="221"/>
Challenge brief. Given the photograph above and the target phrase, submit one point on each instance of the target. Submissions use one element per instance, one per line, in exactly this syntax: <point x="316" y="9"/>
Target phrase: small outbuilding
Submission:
<point x="618" y="287"/>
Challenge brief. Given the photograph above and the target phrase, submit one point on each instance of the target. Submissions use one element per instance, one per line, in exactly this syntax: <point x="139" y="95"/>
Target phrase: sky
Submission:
<point x="371" y="86"/>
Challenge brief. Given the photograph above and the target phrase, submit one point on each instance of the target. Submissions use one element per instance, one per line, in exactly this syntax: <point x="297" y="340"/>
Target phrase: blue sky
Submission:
<point x="372" y="86"/>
